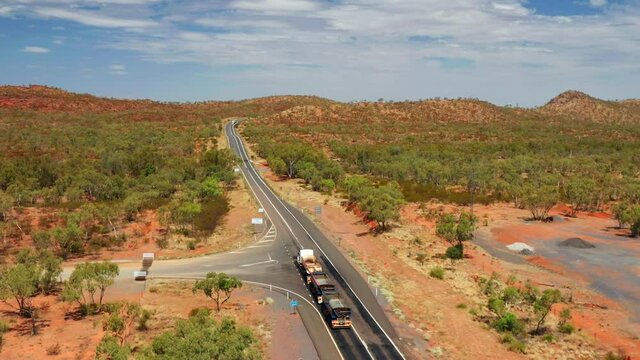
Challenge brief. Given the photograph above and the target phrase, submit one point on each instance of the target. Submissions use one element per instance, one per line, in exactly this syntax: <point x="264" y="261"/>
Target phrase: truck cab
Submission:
<point x="335" y="312"/>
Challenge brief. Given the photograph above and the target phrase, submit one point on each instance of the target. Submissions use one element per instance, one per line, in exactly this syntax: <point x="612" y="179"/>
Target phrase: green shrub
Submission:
<point x="489" y="286"/>
<point x="191" y="244"/>
<point x="454" y="252"/>
<point x="566" y="328"/>
<point x="109" y="349"/>
<point x="548" y="337"/>
<point x="145" y="316"/>
<point x="437" y="272"/>
<point x="509" y="322"/>
<point x="201" y="311"/>
<point x="496" y="305"/>
<point x="421" y="258"/>
<point x="114" y="323"/>
<point x="203" y="337"/>
<point x="510" y="295"/>
<point x="615" y="356"/>
<point x="4" y="327"/>
<point x="461" y="306"/>
<point x="513" y="344"/>
<point x="162" y="242"/>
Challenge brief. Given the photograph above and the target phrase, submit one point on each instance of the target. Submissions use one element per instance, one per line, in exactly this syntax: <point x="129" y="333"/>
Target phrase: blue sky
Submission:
<point x="505" y="51"/>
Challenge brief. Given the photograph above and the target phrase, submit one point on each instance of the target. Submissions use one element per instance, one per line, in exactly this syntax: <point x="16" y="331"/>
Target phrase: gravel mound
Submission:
<point x="576" y="243"/>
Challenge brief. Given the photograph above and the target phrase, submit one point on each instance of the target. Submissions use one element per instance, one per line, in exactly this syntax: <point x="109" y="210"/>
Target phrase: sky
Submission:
<point x="516" y="52"/>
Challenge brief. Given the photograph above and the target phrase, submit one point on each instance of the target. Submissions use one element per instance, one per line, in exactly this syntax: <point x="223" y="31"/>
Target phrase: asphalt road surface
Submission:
<point x="374" y="336"/>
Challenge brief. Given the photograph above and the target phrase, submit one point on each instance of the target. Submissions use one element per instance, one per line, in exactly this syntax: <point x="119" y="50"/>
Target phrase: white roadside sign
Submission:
<point x="257" y="221"/>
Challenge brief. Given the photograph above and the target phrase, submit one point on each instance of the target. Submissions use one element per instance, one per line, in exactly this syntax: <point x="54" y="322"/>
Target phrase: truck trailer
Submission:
<point x="308" y="264"/>
<point x="320" y="285"/>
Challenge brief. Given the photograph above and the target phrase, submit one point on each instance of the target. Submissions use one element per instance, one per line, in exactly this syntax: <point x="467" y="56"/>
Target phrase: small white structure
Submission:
<point x="519" y="247"/>
<point x="139" y="275"/>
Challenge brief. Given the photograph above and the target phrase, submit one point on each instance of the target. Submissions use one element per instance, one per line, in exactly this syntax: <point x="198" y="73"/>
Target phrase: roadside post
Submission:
<point x="294" y="304"/>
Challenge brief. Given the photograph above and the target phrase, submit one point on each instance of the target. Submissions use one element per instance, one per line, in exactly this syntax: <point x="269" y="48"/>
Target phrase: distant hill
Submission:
<point x="50" y="99"/>
<point x="44" y="98"/>
<point x="580" y="106"/>
<point x="573" y="105"/>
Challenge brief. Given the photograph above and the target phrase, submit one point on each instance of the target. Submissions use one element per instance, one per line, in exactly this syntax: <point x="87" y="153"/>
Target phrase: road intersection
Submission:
<point x="269" y="262"/>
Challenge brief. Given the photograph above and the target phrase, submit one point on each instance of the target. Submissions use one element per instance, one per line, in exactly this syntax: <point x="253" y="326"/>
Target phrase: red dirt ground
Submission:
<point x="280" y="333"/>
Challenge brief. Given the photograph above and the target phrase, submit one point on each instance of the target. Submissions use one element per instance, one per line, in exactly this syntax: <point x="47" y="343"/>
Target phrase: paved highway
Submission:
<point x="374" y="335"/>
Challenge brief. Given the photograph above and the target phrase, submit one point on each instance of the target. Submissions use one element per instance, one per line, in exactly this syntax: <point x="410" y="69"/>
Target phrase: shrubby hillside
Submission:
<point x="576" y="149"/>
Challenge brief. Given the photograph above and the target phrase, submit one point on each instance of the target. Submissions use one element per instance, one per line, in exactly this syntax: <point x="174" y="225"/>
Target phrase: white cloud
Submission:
<point x="275" y="5"/>
<point x="35" y="50"/>
<point x="57" y="41"/>
<point x="362" y="48"/>
<point x="94" y="18"/>
<point x="6" y="10"/>
<point x="117" y="69"/>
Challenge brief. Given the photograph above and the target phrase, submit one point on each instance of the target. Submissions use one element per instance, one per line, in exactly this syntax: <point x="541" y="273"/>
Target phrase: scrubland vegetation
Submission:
<point x="102" y="170"/>
<point x="466" y="150"/>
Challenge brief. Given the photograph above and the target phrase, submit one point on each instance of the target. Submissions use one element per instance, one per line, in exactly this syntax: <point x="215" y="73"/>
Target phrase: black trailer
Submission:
<point x="320" y="286"/>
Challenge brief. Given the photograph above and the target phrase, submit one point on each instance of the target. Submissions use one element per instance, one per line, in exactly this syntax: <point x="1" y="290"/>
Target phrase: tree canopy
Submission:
<point x="218" y="287"/>
<point x="87" y="280"/>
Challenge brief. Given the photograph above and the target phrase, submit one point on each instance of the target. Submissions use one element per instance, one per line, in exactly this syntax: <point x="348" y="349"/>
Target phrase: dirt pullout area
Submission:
<point x="281" y="334"/>
<point x="602" y="279"/>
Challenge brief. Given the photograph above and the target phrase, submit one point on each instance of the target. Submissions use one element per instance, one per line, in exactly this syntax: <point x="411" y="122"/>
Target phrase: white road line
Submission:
<point x="241" y="148"/>
<point x="314" y="241"/>
<point x="256" y="246"/>
<point x="362" y="341"/>
<point x="260" y="263"/>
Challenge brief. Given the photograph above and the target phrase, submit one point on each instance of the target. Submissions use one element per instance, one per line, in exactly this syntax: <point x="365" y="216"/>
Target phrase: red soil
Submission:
<point x="459" y="336"/>
<point x="599" y="317"/>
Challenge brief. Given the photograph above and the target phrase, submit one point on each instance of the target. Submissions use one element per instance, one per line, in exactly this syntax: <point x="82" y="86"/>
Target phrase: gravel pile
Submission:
<point x="577" y="243"/>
